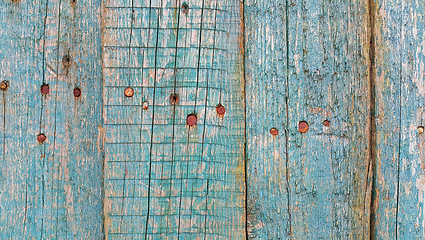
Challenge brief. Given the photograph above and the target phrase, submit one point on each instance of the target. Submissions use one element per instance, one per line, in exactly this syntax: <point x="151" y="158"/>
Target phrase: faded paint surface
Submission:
<point x="307" y="61"/>
<point x="51" y="190"/>
<point x="131" y="168"/>
<point x="400" y="101"/>
<point x="163" y="178"/>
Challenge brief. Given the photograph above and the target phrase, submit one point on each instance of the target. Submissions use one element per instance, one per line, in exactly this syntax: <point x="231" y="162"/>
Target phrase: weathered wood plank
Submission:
<point x="163" y="178"/>
<point x="308" y="61"/>
<point x="400" y="102"/>
<point x="51" y="190"/>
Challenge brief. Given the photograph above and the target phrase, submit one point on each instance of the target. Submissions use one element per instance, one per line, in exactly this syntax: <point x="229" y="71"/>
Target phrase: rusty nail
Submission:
<point x="4" y="85"/>
<point x="421" y="129"/>
<point x="45" y="89"/>
<point x="191" y="120"/>
<point x="185" y="8"/>
<point x="274" y="131"/>
<point x="221" y="110"/>
<point x="41" y="138"/>
<point x="326" y="123"/>
<point x="145" y="105"/>
<point x="77" y="92"/>
<point x="303" y="127"/>
<point x="129" y="92"/>
<point x="174" y="98"/>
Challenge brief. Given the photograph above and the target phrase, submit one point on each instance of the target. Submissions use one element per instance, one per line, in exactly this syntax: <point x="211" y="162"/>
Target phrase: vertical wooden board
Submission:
<point x="308" y="61"/>
<point x="165" y="179"/>
<point x="400" y="100"/>
<point x="329" y="78"/>
<point x="54" y="189"/>
<point x="266" y="76"/>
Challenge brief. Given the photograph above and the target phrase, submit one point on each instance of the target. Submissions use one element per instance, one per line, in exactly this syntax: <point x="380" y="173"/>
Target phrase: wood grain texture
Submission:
<point x="400" y="103"/>
<point x="163" y="178"/>
<point x="51" y="190"/>
<point x="308" y="61"/>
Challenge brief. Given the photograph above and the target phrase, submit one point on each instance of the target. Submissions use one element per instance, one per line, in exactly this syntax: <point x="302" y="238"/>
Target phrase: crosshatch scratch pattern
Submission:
<point x="164" y="179"/>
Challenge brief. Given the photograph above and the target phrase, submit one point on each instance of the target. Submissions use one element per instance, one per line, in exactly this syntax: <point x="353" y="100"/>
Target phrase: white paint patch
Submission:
<point x="297" y="64"/>
<point x="420" y="184"/>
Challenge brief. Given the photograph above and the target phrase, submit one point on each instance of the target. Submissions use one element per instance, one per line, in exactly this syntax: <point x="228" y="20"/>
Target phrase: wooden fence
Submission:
<point x="212" y="119"/>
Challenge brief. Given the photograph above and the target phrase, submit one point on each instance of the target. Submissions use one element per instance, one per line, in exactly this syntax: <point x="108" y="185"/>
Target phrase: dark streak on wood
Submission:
<point x="371" y="169"/>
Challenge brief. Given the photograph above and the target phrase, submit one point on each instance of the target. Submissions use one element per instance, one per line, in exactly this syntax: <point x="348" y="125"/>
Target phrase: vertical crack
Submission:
<point x="288" y="186"/>
<point x="372" y="128"/>
<point x="245" y="153"/>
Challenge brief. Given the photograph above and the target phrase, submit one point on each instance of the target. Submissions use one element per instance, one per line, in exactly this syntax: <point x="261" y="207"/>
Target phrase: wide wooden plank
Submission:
<point x="51" y="190"/>
<point x="308" y="61"/>
<point x="165" y="179"/>
<point x="400" y="109"/>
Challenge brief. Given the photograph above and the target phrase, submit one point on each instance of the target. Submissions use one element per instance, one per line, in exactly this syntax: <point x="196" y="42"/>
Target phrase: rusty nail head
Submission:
<point x="191" y="120"/>
<point x="174" y="98"/>
<point x="145" y="105"/>
<point x="326" y="123"/>
<point x="77" y="92"/>
<point x="45" y="89"/>
<point x="129" y="92"/>
<point x="303" y="127"/>
<point x="221" y="110"/>
<point x="41" y="138"/>
<point x="421" y="129"/>
<point x="4" y="85"/>
<point x="185" y="8"/>
<point x="274" y="131"/>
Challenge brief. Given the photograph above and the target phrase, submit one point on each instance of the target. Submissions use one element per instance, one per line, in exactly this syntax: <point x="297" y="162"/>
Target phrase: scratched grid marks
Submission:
<point x="164" y="179"/>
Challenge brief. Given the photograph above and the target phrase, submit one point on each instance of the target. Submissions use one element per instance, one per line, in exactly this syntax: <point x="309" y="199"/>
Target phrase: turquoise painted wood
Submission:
<point x="51" y="190"/>
<point x="400" y="110"/>
<point x="308" y="61"/>
<point x="163" y="178"/>
<point x="131" y="167"/>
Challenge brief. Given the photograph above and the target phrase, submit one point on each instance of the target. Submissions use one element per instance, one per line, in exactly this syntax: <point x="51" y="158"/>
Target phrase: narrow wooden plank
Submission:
<point x="51" y="190"/>
<point x="165" y="179"/>
<point x="400" y="100"/>
<point x="308" y="61"/>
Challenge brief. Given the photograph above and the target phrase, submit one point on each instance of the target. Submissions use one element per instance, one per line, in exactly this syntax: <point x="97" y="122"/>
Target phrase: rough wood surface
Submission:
<point x="308" y="61"/>
<point x="51" y="190"/>
<point x="165" y="179"/>
<point x="118" y="167"/>
<point x="400" y="109"/>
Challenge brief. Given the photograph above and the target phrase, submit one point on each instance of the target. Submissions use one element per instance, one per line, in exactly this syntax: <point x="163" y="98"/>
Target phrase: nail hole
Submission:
<point x="174" y="98"/>
<point x="129" y="92"/>
<point x="145" y="105"/>
<point x="77" y="92"/>
<point x="45" y="89"/>
<point x="191" y="120"/>
<point x="326" y="123"/>
<point x="4" y="85"/>
<point x="66" y="60"/>
<point x="41" y="138"/>
<point x="185" y="8"/>
<point x="274" y="131"/>
<point x="303" y="127"/>
<point x="221" y="110"/>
